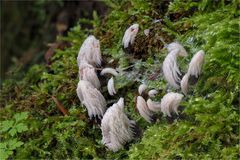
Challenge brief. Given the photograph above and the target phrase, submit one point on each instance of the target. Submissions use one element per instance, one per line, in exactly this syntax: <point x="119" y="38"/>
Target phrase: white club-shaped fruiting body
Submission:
<point x="170" y="103"/>
<point x="171" y="71"/>
<point x="184" y="83"/>
<point x="142" y="88"/>
<point x="116" y="128"/>
<point x="91" y="98"/>
<point x="146" y="32"/>
<point x="176" y="48"/>
<point x="90" y="52"/>
<point x="130" y="35"/>
<point x="87" y="72"/>
<point x="143" y="109"/>
<point x="153" y="106"/>
<point x="194" y="68"/>
<point x="110" y="87"/>
<point x="109" y="71"/>
<point x="152" y="93"/>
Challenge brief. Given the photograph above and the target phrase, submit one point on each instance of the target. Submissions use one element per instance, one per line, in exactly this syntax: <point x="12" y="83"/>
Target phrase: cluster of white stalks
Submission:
<point x="170" y="67"/>
<point x="169" y="103"/>
<point x="171" y="70"/>
<point x="88" y="87"/>
<point x="117" y="128"/>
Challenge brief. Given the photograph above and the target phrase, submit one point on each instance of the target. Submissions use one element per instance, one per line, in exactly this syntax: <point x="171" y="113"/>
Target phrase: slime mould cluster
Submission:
<point x="204" y="124"/>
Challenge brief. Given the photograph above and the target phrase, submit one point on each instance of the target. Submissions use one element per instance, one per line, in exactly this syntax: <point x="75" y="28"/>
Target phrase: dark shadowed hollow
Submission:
<point x="28" y="27"/>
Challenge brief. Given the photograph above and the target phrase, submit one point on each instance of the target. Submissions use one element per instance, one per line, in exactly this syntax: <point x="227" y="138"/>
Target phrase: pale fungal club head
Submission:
<point x="90" y="52"/>
<point x="110" y="87"/>
<point x="152" y="93"/>
<point x="184" y="83"/>
<point x="109" y="71"/>
<point x="91" y="98"/>
<point x="153" y="106"/>
<point x="176" y="48"/>
<point x="196" y="63"/>
<point x="171" y="71"/>
<point x="87" y="73"/>
<point x="170" y="103"/>
<point x="116" y="127"/>
<point x="143" y="109"/>
<point x="194" y="69"/>
<point x="130" y="35"/>
<point x="142" y="88"/>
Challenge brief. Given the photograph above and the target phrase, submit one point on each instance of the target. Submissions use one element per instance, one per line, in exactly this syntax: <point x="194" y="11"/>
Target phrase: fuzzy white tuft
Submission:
<point x="143" y="109"/>
<point x="153" y="106"/>
<point x="110" y="87"/>
<point x="91" y="98"/>
<point x="142" y="88"/>
<point x="90" y="52"/>
<point x="177" y="48"/>
<point x="130" y="35"/>
<point x="116" y="128"/>
<point x="196" y="63"/>
<point x="121" y="102"/>
<point x="184" y="83"/>
<point x="170" y="103"/>
<point x="171" y="71"/>
<point x="109" y="71"/>
<point x="87" y="73"/>
<point x="152" y="93"/>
